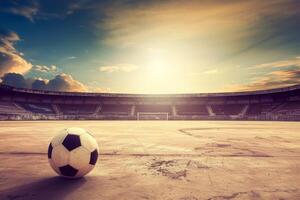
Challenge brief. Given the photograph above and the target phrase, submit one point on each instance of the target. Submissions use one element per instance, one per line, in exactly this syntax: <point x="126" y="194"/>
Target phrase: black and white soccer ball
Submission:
<point x="73" y="152"/>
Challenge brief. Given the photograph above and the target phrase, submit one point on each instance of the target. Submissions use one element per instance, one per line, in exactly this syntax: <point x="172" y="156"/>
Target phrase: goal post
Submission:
<point x="152" y="116"/>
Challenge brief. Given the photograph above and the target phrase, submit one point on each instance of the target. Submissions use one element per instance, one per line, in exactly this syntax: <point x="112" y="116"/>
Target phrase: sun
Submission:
<point x="160" y="73"/>
<point x="158" y="66"/>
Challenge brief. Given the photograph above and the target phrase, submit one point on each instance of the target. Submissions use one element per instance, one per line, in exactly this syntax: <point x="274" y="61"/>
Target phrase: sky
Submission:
<point x="170" y="46"/>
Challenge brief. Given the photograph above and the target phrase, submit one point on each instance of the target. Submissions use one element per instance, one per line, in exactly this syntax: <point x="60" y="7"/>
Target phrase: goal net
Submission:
<point x="152" y="116"/>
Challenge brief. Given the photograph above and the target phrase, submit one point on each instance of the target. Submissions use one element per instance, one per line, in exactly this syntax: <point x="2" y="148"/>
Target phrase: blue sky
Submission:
<point x="150" y="46"/>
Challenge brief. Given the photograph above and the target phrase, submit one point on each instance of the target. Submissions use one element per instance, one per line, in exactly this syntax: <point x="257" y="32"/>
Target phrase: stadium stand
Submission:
<point x="153" y="108"/>
<point x="107" y="109"/>
<point x="27" y="104"/>
<point x="200" y="110"/>
<point x="75" y="109"/>
<point x="38" y="108"/>
<point x="292" y="107"/>
<point x="11" y="108"/>
<point x="224" y="109"/>
<point x="262" y="108"/>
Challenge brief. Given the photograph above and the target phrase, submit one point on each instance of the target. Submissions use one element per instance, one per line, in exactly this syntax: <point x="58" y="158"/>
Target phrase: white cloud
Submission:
<point x="45" y="69"/>
<point x="71" y="57"/>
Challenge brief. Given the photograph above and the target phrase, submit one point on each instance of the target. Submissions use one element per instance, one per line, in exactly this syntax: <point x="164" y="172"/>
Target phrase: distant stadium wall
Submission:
<point x="26" y="104"/>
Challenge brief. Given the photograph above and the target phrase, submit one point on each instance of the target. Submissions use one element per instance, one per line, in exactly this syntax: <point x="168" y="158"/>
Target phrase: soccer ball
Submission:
<point x="73" y="152"/>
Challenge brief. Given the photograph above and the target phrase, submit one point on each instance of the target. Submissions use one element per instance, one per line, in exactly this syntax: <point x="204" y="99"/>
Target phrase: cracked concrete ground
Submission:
<point x="184" y="160"/>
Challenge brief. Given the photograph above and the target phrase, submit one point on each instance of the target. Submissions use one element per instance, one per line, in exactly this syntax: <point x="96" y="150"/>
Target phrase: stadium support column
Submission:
<point x="56" y="109"/>
<point x="210" y="111"/>
<point x="174" y="111"/>
<point x="132" y="110"/>
<point x="98" y="109"/>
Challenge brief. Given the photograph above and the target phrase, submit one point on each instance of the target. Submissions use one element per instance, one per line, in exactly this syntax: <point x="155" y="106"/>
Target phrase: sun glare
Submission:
<point x="159" y="73"/>
<point x="157" y="66"/>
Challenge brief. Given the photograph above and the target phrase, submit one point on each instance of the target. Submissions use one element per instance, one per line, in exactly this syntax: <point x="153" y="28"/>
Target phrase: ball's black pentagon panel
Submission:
<point x="50" y="148"/>
<point x="94" y="157"/>
<point x="68" y="170"/>
<point x="71" y="142"/>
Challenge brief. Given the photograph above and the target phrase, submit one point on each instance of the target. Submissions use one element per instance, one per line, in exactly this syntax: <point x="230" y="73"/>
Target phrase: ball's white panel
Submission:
<point x="60" y="156"/>
<point x="53" y="166"/>
<point x="89" y="142"/>
<point x="59" y="138"/>
<point x="85" y="170"/>
<point x="79" y="157"/>
<point x="76" y="131"/>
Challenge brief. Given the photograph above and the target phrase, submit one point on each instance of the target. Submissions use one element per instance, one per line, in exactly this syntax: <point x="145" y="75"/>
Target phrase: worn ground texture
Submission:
<point x="184" y="160"/>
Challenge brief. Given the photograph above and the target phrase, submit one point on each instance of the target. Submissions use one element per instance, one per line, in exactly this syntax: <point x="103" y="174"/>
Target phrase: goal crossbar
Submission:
<point x="152" y="116"/>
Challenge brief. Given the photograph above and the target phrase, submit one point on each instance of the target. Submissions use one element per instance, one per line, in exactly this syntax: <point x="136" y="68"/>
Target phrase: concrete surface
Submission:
<point x="184" y="160"/>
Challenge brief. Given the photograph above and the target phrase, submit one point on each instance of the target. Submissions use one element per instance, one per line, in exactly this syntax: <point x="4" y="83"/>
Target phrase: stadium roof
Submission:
<point x="245" y="93"/>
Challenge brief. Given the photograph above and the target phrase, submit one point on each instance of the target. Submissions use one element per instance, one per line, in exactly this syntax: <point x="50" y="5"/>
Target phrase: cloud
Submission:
<point x="274" y="79"/>
<point x="207" y="72"/>
<point x="118" y="68"/>
<point x="39" y="84"/>
<point x="282" y="63"/>
<point x="70" y="57"/>
<point x="65" y="82"/>
<point x="61" y="82"/>
<point x="213" y="71"/>
<point x="93" y="86"/>
<point x="77" y="5"/>
<point x="28" y="9"/>
<point x="45" y="69"/>
<point x="10" y="59"/>
<point x="164" y="21"/>
<point x="99" y="89"/>
<point x="43" y="9"/>
<point x="16" y="80"/>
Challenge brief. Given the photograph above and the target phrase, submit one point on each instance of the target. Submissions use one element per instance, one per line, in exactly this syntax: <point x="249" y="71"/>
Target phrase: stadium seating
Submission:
<point x="192" y="110"/>
<point x="262" y="108"/>
<point x="227" y="109"/>
<point x="154" y="108"/>
<point x="107" y="109"/>
<point x="11" y="108"/>
<point x="77" y="109"/>
<point x="292" y="107"/>
<point x="38" y="108"/>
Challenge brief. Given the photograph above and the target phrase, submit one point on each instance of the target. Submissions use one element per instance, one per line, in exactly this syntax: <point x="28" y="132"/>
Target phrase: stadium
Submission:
<point x="149" y="100"/>
<point x="155" y="146"/>
<point x="27" y="104"/>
